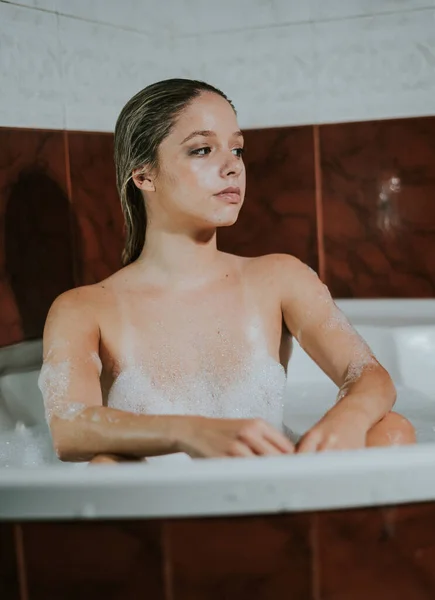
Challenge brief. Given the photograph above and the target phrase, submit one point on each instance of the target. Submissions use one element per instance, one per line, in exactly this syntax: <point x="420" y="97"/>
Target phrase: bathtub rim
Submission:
<point x="221" y="487"/>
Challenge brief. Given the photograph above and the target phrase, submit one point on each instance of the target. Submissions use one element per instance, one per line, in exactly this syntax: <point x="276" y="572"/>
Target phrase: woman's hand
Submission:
<point x="202" y="437"/>
<point x="341" y="432"/>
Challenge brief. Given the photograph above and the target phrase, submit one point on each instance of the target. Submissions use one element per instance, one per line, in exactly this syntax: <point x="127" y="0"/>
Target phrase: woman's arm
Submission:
<point x="70" y="383"/>
<point x="82" y="428"/>
<point x="366" y="391"/>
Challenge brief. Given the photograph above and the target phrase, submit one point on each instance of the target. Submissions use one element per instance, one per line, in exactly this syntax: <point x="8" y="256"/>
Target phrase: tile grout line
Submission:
<point x="73" y="232"/>
<point x="67" y="165"/>
<point x="47" y="11"/>
<point x="167" y="564"/>
<point x="315" y="566"/>
<point x="21" y="562"/>
<point x="319" y="203"/>
<point x="168" y="32"/>
<point x="308" y="21"/>
<point x="61" y="72"/>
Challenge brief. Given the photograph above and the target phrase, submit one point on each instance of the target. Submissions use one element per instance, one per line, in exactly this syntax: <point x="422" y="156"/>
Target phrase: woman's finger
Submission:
<point x="262" y="447"/>
<point x="239" y="449"/>
<point x="279" y="440"/>
<point x="309" y="442"/>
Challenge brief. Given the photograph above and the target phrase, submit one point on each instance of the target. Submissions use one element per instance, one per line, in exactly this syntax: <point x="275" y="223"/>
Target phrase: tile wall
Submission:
<point x="356" y="201"/>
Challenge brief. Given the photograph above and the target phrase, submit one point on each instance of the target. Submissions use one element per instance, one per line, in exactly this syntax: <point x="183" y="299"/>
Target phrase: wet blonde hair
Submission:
<point x="144" y="122"/>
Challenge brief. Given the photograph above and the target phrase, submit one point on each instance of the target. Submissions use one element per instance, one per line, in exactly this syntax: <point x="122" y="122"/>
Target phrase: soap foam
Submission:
<point x="238" y="379"/>
<point x="25" y="447"/>
<point x="54" y="381"/>
<point x="359" y="364"/>
<point x="361" y="356"/>
<point x="255" y="392"/>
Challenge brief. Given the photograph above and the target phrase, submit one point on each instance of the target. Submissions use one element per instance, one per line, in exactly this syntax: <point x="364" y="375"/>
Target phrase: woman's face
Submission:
<point x="198" y="161"/>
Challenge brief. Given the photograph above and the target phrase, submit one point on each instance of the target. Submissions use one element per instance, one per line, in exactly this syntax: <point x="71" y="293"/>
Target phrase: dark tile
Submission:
<point x="240" y="558"/>
<point x="108" y="560"/>
<point x="379" y="207"/>
<point x="96" y="205"/>
<point x="279" y="214"/>
<point x="361" y="555"/>
<point x="36" y="262"/>
<point x="413" y="529"/>
<point x="10" y="322"/>
<point x="9" y="582"/>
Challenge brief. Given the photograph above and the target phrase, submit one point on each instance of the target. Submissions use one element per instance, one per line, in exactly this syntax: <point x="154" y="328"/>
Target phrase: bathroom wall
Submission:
<point x="72" y="65"/>
<point x="337" y="101"/>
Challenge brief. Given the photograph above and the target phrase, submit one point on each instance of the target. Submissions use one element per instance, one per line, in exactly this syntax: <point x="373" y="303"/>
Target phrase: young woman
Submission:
<point x="184" y="349"/>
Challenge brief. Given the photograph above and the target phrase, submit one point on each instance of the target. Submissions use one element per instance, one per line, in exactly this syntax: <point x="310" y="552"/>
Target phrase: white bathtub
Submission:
<point x="35" y="485"/>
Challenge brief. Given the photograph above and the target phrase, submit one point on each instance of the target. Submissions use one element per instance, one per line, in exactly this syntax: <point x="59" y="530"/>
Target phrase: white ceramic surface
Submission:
<point x="402" y="334"/>
<point x="73" y="64"/>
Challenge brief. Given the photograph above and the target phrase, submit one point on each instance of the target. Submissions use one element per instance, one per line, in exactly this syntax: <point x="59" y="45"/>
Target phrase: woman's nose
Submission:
<point x="233" y="165"/>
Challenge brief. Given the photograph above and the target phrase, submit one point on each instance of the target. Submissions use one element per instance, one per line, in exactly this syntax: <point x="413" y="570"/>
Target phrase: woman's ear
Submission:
<point x="143" y="179"/>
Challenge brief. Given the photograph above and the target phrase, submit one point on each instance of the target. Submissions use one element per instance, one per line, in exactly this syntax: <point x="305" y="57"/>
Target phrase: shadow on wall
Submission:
<point x="40" y="230"/>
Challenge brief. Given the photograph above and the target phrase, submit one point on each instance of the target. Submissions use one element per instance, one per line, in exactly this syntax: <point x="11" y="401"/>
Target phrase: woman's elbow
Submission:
<point x="65" y="443"/>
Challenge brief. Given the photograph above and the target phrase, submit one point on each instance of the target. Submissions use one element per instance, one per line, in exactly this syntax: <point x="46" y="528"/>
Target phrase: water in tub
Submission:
<point x="24" y="435"/>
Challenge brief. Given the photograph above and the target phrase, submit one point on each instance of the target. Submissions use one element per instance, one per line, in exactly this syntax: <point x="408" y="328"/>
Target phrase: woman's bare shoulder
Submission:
<point x="274" y="265"/>
<point x="76" y="317"/>
<point x="85" y="300"/>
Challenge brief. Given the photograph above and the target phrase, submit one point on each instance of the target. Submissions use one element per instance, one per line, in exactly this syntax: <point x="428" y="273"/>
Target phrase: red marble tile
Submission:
<point x="378" y="207"/>
<point x="413" y="529"/>
<point x="36" y="258"/>
<point x="240" y="558"/>
<point x="279" y="214"/>
<point x="108" y="560"/>
<point x="9" y="585"/>
<point x="96" y="205"/>
<point x="10" y="322"/>
<point x="361" y="555"/>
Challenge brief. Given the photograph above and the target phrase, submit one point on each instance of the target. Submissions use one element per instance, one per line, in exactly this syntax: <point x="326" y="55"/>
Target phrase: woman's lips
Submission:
<point x="230" y="195"/>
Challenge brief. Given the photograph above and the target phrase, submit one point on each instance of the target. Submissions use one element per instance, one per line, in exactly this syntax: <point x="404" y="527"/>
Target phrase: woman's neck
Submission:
<point x="180" y="259"/>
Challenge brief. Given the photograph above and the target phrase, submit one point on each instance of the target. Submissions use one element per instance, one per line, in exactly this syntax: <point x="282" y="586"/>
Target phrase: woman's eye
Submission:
<point x="206" y="150"/>
<point x="201" y="151"/>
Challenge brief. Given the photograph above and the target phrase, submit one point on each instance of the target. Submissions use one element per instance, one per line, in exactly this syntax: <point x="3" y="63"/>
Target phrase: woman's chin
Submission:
<point x="222" y="218"/>
<point x="227" y="217"/>
<point x="225" y="222"/>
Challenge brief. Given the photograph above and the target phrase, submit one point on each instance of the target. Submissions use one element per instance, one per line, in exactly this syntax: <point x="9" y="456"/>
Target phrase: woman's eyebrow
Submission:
<point x="204" y="133"/>
<point x="207" y="133"/>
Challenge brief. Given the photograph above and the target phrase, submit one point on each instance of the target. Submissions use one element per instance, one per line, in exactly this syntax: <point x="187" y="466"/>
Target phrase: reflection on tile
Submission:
<point x="362" y="555"/>
<point x="240" y="558"/>
<point x="95" y="560"/>
<point x="379" y="214"/>
<point x="279" y="214"/>
<point x="96" y="205"/>
<point x="35" y="230"/>
<point x="9" y="587"/>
